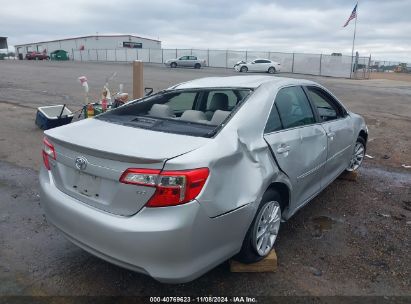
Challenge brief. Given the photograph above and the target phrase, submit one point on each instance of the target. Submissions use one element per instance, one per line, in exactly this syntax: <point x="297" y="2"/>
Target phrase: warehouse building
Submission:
<point x="95" y="42"/>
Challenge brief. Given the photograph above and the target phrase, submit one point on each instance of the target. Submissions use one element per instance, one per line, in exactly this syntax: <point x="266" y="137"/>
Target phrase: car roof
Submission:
<point x="240" y="82"/>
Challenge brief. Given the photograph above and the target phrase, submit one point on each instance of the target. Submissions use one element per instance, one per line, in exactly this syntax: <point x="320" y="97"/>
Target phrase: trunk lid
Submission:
<point x="91" y="155"/>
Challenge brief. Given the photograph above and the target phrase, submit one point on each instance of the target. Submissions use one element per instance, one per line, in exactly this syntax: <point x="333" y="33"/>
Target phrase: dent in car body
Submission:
<point x="240" y="161"/>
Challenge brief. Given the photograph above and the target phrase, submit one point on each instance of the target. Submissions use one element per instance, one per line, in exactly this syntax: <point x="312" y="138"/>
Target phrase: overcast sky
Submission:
<point x="315" y="26"/>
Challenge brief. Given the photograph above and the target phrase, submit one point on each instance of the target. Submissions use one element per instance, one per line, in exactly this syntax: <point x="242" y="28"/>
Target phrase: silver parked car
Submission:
<point x="186" y="61"/>
<point x="178" y="182"/>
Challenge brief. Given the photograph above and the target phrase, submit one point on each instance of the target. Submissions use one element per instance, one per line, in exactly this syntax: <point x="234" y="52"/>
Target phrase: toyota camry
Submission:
<point x="175" y="183"/>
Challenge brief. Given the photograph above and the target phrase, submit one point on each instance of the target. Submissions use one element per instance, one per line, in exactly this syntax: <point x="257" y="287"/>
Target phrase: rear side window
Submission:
<point x="294" y="107"/>
<point x="274" y="122"/>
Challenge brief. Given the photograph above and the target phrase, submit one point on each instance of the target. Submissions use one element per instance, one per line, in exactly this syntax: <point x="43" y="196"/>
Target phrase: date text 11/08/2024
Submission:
<point x="208" y="299"/>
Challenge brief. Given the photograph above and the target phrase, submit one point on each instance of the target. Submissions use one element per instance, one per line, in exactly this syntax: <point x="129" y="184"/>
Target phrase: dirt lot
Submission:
<point x="353" y="239"/>
<point x="391" y="76"/>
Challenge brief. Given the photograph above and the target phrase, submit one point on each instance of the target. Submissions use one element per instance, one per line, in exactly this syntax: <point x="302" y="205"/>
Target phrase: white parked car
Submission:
<point x="258" y="65"/>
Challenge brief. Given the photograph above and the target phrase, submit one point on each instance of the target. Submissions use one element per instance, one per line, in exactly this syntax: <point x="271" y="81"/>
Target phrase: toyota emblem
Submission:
<point x="81" y="163"/>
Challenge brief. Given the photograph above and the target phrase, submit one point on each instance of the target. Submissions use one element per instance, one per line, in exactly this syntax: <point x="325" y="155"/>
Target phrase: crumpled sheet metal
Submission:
<point x="240" y="161"/>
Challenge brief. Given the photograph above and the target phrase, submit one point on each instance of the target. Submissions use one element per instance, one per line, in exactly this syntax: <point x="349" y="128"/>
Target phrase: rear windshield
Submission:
<point x="199" y="112"/>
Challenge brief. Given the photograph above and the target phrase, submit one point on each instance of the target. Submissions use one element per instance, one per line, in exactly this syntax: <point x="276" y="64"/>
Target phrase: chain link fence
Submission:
<point x="390" y="66"/>
<point x="312" y="64"/>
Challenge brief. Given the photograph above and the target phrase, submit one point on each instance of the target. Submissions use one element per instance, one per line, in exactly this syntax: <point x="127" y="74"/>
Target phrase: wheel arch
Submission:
<point x="284" y="192"/>
<point x="364" y="135"/>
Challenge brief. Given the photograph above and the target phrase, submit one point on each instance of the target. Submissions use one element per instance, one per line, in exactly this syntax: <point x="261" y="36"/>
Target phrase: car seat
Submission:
<point x="218" y="102"/>
<point x="161" y="110"/>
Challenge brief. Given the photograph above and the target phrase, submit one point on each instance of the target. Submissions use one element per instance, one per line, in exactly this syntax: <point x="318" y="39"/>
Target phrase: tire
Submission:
<point x="271" y="70"/>
<point x="173" y="65"/>
<point x="244" y="69"/>
<point x="358" y="155"/>
<point x="249" y="252"/>
<point x="197" y="66"/>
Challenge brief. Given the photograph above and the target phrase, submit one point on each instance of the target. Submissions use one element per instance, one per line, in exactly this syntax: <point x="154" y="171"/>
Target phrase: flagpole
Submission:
<point x="353" y="41"/>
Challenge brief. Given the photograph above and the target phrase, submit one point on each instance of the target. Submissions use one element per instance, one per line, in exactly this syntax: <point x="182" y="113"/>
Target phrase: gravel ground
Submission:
<point x="353" y="239"/>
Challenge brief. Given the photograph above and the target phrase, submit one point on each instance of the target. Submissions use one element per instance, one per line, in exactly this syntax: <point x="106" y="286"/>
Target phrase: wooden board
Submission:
<point x="269" y="264"/>
<point x="350" y="176"/>
<point x="138" y="79"/>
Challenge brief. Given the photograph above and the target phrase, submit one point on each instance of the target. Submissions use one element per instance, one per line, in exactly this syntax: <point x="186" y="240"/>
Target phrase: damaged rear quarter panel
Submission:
<point x="240" y="161"/>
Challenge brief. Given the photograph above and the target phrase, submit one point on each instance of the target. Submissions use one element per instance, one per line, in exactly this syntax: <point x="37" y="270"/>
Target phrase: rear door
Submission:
<point x="265" y="64"/>
<point x="340" y="132"/>
<point x="299" y="144"/>
<point x="192" y="60"/>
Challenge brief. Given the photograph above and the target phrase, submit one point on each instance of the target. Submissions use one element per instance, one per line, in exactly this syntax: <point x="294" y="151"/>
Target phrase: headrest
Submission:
<point x="218" y="117"/>
<point x="161" y="110"/>
<point x="193" y="115"/>
<point x="219" y="102"/>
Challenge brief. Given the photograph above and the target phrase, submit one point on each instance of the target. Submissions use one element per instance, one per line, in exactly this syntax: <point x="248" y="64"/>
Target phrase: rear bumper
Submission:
<point x="172" y="244"/>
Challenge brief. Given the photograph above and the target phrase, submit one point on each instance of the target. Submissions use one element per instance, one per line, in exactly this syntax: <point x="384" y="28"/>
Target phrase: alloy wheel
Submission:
<point x="357" y="158"/>
<point x="266" y="228"/>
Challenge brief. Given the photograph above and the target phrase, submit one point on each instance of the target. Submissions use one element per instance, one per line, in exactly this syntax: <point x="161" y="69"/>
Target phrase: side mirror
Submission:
<point x="148" y="91"/>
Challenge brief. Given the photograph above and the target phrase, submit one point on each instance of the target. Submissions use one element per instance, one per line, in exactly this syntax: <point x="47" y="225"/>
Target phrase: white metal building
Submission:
<point x="95" y="42"/>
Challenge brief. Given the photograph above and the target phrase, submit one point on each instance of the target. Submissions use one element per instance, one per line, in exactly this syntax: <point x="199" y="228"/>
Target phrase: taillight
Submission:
<point x="144" y="177"/>
<point x="172" y="187"/>
<point x="48" y="151"/>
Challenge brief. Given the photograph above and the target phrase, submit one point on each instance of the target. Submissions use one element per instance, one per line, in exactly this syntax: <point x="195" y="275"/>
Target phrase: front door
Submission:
<point x="298" y="143"/>
<point x="182" y="61"/>
<point x="340" y="132"/>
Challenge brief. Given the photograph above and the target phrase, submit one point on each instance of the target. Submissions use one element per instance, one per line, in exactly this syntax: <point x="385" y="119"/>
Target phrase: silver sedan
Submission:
<point x="176" y="183"/>
<point x="186" y="61"/>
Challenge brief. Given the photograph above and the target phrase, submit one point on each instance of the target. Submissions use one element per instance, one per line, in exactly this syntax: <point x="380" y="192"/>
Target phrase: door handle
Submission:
<point x="283" y="149"/>
<point x="331" y="134"/>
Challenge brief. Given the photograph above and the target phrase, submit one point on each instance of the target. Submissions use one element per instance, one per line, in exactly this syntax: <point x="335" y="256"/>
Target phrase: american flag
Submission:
<point x="352" y="16"/>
